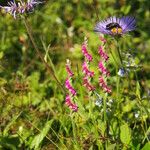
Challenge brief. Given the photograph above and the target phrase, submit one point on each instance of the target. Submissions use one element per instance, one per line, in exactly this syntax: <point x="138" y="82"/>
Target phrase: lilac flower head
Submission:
<point x="16" y="8"/>
<point x="12" y="8"/>
<point x="116" y="26"/>
<point x="31" y="4"/>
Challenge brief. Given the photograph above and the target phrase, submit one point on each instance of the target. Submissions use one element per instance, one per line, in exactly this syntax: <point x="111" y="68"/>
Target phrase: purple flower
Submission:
<point x="116" y="26"/>
<point x="31" y="4"/>
<point x="12" y="8"/>
<point x="16" y="8"/>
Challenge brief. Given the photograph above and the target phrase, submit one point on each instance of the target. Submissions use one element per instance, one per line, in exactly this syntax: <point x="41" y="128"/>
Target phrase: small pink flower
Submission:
<point x="69" y="87"/>
<point x="107" y="89"/>
<point x="103" y="69"/>
<point x="85" y="52"/>
<point x="86" y="71"/>
<point x="102" y="53"/>
<point x="68" y="102"/>
<point x="102" y="39"/>
<point x="104" y="85"/>
<point x="68" y="68"/>
<point x="87" y="84"/>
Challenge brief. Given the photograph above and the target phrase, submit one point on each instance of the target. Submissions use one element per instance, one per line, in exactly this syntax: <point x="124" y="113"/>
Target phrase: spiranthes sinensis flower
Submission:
<point x="103" y="84"/>
<point x="18" y="8"/>
<point x="69" y="87"/>
<point x="116" y="26"/>
<point x="103" y="69"/>
<point x="69" y="103"/>
<point x="86" y="71"/>
<point x="68" y="68"/>
<point x="85" y="52"/>
<point x="102" y="39"/>
<point x="87" y="84"/>
<point x="102" y="53"/>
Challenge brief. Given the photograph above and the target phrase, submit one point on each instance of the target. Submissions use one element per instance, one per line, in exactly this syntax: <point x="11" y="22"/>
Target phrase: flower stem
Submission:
<point x="49" y="68"/>
<point x="118" y="50"/>
<point x="105" y="108"/>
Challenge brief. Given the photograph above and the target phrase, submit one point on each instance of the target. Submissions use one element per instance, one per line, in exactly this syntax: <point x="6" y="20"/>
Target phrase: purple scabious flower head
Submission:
<point x="18" y="8"/>
<point x="12" y="8"/>
<point x="31" y="4"/>
<point x="116" y="26"/>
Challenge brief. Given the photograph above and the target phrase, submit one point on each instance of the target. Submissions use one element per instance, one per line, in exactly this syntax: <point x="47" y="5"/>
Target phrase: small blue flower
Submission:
<point x="116" y="26"/>
<point x="99" y="102"/>
<point x="121" y="72"/>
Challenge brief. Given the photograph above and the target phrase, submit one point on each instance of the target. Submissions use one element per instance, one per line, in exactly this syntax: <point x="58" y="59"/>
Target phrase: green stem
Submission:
<point x="114" y="58"/>
<point x="105" y="108"/>
<point x="119" y="53"/>
<point x="118" y="87"/>
<point x="49" y="68"/>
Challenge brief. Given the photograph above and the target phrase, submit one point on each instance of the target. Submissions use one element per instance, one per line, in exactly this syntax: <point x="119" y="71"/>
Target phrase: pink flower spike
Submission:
<point x="69" y="87"/>
<point x="102" y="82"/>
<point x="107" y="89"/>
<point x="72" y="106"/>
<point x="103" y="69"/>
<point x="102" y="39"/>
<point x="104" y="85"/>
<point x="102" y="53"/>
<point x="87" y="84"/>
<point x="85" y="52"/>
<point x="68" y="68"/>
<point x="86" y="71"/>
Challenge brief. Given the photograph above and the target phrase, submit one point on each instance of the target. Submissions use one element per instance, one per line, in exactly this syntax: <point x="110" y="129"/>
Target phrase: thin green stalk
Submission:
<point x="113" y="58"/>
<point x="49" y="68"/>
<point x="119" y="53"/>
<point x="47" y="136"/>
<point x="105" y="107"/>
<point x="118" y="87"/>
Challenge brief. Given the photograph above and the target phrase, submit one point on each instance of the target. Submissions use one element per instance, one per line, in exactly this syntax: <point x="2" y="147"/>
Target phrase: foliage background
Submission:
<point x="34" y="116"/>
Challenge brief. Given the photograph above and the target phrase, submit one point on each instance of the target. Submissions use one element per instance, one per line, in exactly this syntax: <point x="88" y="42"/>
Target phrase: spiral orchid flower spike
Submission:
<point x="85" y="68"/>
<point x="71" y="91"/>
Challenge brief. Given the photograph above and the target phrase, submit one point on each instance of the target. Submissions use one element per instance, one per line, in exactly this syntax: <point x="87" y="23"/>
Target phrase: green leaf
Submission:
<point x="5" y="132"/>
<point x="39" y="138"/>
<point x="138" y="89"/>
<point x="9" y="142"/>
<point x="146" y="146"/>
<point x="125" y="134"/>
<point x="1" y="55"/>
